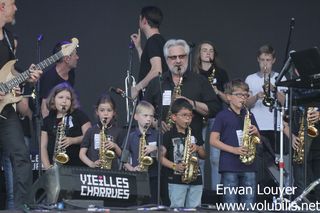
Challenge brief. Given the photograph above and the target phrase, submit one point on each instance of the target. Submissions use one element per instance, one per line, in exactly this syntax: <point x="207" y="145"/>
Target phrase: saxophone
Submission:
<point x="176" y="92"/>
<point x="248" y="141"/>
<point x="144" y="160"/>
<point x="298" y="154"/>
<point x="312" y="130"/>
<point x="211" y="77"/>
<point x="191" y="172"/>
<point x="60" y="155"/>
<point x="105" y="155"/>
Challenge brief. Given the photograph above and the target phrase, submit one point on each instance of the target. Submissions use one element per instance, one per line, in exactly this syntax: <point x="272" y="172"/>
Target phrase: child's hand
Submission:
<point x="194" y="148"/>
<point x="253" y="130"/>
<point x="180" y="167"/>
<point x="149" y="148"/>
<point x="66" y="142"/>
<point x="110" y="145"/>
<point x="95" y="164"/>
<point x="295" y="142"/>
<point x="240" y="150"/>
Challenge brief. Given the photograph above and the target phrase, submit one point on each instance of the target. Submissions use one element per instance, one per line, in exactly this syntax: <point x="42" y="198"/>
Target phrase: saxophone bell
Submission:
<point x="312" y="130"/>
<point x="144" y="160"/>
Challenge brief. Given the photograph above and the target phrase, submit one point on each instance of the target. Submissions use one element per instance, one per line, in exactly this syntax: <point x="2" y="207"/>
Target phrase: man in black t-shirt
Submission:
<point x="63" y="71"/>
<point x="152" y="61"/>
<point x="11" y="133"/>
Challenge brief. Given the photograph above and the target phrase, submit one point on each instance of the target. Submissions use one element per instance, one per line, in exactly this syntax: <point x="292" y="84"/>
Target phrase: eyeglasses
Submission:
<point x="174" y="57"/>
<point x="241" y="95"/>
<point x="185" y="115"/>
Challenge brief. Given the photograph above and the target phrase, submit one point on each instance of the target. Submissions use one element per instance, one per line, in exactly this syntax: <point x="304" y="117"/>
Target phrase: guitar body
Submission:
<point x="6" y="75"/>
<point x="8" y="81"/>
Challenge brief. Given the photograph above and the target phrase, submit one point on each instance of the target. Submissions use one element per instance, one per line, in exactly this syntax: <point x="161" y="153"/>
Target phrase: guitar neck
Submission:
<point x="22" y="77"/>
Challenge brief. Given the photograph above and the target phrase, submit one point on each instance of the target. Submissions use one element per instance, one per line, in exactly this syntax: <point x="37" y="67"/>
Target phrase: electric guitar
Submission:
<point x="8" y="81"/>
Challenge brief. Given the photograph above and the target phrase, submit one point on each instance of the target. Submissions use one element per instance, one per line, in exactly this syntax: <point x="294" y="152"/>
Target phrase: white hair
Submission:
<point x="175" y="42"/>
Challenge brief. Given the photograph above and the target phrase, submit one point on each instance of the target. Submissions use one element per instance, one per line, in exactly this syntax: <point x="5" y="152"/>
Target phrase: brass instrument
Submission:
<point x="268" y="101"/>
<point x="312" y="130"/>
<point x="60" y="155"/>
<point x="191" y="172"/>
<point x="176" y="92"/>
<point x="144" y="160"/>
<point x="211" y="77"/>
<point x="105" y="155"/>
<point x="248" y="141"/>
<point x="298" y="154"/>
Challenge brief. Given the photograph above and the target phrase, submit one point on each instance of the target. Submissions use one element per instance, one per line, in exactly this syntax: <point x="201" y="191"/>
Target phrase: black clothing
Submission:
<point x="74" y="122"/>
<point x="174" y="142"/>
<point x="152" y="48"/>
<point x="11" y="138"/>
<point x="89" y="141"/>
<point x="194" y="87"/>
<point x="220" y="79"/>
<point x="51" y="78"/>
<point x="220" y="75"/>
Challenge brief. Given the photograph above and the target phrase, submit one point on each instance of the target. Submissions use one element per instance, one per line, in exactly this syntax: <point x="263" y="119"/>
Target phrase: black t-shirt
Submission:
<point x="220" y="75"/>
<point x="220" y="78"/>
<point x="74" y="122"/>
<point x="174" y="142"/>
<point x="92" y="142"/>
<point x="195" y="87"/>
<point x="6" y="53"/>
<point x="153" y="48"/>
<point x="51" y="78"/>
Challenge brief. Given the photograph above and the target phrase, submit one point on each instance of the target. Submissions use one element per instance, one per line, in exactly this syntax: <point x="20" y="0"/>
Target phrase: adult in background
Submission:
<point x="205" y="63"/>
<point x="152" y="61"/>
<point x="63" y="71"/>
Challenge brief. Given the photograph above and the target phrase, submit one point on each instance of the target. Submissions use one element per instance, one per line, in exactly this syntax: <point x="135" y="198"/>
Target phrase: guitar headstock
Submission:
<point x="67" y="49"/>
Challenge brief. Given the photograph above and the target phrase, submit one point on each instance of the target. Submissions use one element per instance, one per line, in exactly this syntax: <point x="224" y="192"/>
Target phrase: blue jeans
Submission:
<point x="7" y="168"/>
<point x="236" y="180"/>
<point x="182" y="195"/>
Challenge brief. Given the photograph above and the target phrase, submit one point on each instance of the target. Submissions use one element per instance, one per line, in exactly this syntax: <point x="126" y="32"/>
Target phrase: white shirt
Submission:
<point x="262" y="114"/>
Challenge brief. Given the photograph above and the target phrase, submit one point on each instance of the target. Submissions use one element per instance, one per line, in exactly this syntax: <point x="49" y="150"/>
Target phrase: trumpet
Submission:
<point x="268" y="101"/>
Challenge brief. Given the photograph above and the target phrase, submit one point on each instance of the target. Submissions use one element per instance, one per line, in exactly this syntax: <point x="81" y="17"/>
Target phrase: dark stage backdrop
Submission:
<point x="103" y="27"/>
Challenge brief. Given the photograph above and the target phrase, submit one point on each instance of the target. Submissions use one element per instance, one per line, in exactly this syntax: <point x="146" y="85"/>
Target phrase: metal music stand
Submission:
<point x="305" y="66"/>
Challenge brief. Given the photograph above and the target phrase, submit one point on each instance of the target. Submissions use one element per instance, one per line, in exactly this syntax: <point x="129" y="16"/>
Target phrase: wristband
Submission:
<point x="194" y="104"/>
<point x="174" y="165"/>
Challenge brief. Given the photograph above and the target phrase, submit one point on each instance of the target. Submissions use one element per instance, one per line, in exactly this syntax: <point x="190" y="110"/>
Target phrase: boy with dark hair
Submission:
<point x="182" y="192"/>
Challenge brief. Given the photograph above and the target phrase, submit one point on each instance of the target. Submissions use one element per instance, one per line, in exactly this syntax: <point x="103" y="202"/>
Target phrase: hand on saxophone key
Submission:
<point x="240" y="150"/>
<point x="66" y="142"/>
<point x="295" y="142"/>
<point x="253" y="130"/>
<point x="194" y="148"/>
<point x="180" y="167"/>
<point x="150" y="148"/>
<point x="313" y="115"/>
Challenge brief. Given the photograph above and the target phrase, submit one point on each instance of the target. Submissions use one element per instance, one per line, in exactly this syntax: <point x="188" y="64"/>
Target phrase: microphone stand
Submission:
<point x="37" y="109"/>
<point x="129" y="82"/>
<point x="159" y="138"/>
<point x="125" y="151"/>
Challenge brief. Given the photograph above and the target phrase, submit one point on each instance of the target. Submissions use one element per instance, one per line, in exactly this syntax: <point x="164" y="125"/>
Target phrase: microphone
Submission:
<point x="40" y="37"/>
<point x="131" y="44"/>
<point x="118" y="91"/>
<point x="292" y="23"/>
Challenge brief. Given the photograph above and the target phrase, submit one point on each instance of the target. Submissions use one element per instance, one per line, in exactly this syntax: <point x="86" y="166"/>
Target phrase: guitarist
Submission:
<point x="11" y="134"/>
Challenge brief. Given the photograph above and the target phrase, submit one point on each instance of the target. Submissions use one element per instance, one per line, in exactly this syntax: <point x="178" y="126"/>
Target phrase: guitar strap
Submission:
<point x="9" y="43"/>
